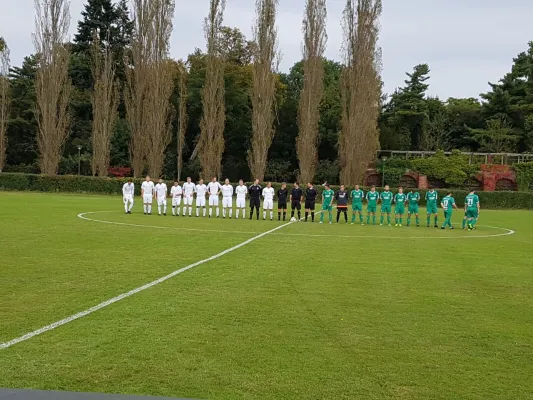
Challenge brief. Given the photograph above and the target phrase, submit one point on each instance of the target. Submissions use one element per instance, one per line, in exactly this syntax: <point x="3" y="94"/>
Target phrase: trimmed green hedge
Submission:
<point x="95" y="185"/>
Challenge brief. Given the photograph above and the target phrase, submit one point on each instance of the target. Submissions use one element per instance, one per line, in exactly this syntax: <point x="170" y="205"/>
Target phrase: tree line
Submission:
<point x="227" y="110"/>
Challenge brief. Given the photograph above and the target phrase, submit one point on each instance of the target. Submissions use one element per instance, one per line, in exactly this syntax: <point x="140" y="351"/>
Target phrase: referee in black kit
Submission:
<point x="296" y="200"/>
<point x="310" y="199"/>
<point x="255" y="198"/>
<point x="282" y="201"/>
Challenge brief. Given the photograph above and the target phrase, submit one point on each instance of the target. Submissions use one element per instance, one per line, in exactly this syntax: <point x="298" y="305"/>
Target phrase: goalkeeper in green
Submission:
<point x="471" y="210"/>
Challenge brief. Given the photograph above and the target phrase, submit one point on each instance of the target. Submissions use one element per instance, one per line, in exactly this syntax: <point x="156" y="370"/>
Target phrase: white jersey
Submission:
<point x="227" y="191"/>
<point x="128" y="189"/>
<point x="268" y="193"/>
<point x="241" y="191"/>
<point x="176" y="191"/>
<point x="161" y="190"/>
<point x="213" y="188"/>
<point x="188" y="188"/>
<point x="200" y="190"/>
<point x="148" y="188"/>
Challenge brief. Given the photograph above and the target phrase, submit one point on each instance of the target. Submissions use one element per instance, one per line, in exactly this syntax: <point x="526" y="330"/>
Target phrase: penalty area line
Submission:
<point x="123" y="296"/>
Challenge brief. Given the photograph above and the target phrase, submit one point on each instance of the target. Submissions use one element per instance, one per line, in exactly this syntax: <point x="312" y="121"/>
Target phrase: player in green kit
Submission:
<point x="399" y="210"/>
<point x="471" y="210"/>
<point x="412" y="199"/>
<point x="386" y="198"/>
<point x="327" y="203"/>
<point x="431" y="204"/>
<point x="448" y="204"/>
<point x="357" y="196"/>
<point x="372" y="198"/>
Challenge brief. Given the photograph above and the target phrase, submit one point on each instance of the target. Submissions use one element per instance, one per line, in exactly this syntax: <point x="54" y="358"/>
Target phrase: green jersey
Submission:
<point x="447" y="203"/>
<point x="472" y="201"/>
<point x="399" y="199"/>
<point x="386" y="198"/>
<point x="431" y="198"/>
<point x="357" y="196"/>
<point x="327" y="196"/>
<point x="372" y="198"/>
<point x="413" y="198"/>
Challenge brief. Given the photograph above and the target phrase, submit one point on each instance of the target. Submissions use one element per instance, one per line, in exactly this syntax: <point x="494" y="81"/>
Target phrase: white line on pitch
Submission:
<point x="122" y="296"/>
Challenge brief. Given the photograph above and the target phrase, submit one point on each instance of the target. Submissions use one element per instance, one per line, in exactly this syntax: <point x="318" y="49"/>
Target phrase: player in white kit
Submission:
<point x="161" y="192"/>
<point x="200" y="191"/>
<point x="227" y="198"/>
<point x="176" y="192"/>
<point x="147" y="193"/>
<point x="241" y="190"/>
<point x="128" y="191"/>
<point x="268" y="203"/>
<point x="188" y="195"/>
<point x="214" y="191"/>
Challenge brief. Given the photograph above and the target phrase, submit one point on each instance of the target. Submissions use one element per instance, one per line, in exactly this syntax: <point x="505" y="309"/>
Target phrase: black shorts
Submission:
<point x="296" y="205"/>
<point x="255" y="203"/>
<point x="310" y="205"/>
<point x="282" y="205"/>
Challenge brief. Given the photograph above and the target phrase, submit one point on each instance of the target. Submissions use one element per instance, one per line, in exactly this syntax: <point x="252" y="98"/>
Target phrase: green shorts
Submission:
<point x="413" y="209"/>
<point x="399" y="210"/>
<point x="357" y="207"/>
<point x="472" y="213"/>
<point x="432" y="209"/>
<point x="371" y="209"/>
<point x="386" y="209"/>
<point x="326" y="207"/>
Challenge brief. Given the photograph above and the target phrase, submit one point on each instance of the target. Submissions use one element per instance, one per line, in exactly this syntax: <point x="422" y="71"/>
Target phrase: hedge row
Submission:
<point x="95" y="185"/>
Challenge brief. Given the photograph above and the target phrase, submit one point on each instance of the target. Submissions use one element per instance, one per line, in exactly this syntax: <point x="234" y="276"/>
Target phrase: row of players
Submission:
<point x="214" y="189"/>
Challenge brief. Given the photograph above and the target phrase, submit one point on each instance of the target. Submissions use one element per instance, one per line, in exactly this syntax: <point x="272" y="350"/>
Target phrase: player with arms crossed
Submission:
<point x="241" y="191"/>
<point x="255" y="198"/>
<point x="386" y="198"/>
<point x="176" y="192"/>
<point x="227" y="198"/>
<point x="201" y="190"/>
<point x="448" y="204"/>
<point x="471" y="209"/>
<point x="188" y="195"/>
<point x="161" y="192"/>
<point x="372" y="198"/>
<point x="412" y="199"/>
<point x="296" y="200"/>
<point x="399" y="209"/>
<point x="342" y="203"/>
<point x="147" y="194"/>
<point x="357" y="196"/>
<point x="283" y="193"/>
<point x="327" y="203"/>
<point x="268" y="203"/>
<point x="310" y="199"/>
<point x="431" y="205"/>
<point x="128" y="191"/>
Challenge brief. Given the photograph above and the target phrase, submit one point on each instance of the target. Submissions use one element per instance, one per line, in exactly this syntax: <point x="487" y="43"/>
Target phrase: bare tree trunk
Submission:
<point x="105" y="99"/>
<point x="52" y="84"/>
<point x="211" y="143"/>
<point x="360" y="89"/>
<point x="266" y="60"/>
<point x="182" y="119"/>
<point x="314" y="30"/>
<point x="4" y="100"/>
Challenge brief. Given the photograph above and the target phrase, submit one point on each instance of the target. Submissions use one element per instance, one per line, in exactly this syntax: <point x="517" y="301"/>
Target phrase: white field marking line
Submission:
<point x="122" y="296"/>
<point x="506" y="233"/>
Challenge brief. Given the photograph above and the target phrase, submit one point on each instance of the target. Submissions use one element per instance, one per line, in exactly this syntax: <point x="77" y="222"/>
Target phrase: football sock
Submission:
<point x="464" y="223"/>
<point x="322" y="217"/>
<point x="284" y="215"/>
<point x="388" y="219"/>
<point x="126" y="207"/>
<point x="338" y="215"/>
<point x="474" y="221"/>
<point x="292" y="214"/>
<point x="243" y="213"/>
<point x="345" y="216"/>
<point x="417" y="221"/>
<point x="224" y="212"/>
<point x="306" y="215"/>
<point x="204" y="211"/>
<point x="210" y="211"/>
<point x="396" y="220"/>
<point x="131" y="206"/>
<point x="173" y="210"/>
<point x="218" y="211"/>
<point x="279" y="216"/>
<point x="257" y="213"/>
<point x="230" y="212"/>
<point x="165" y="208"/>
<point x="381" y="219"/>
<point x="159" y="209"/>
<point x="299" y="215"/>
<point x="368" y="219"/>
<point x="360" y="217"/>
<point x="149" y="208"/>
<point x="408" y="220"/>
<point x="313" y="216"/>
<point x="353" y="218"/>
<point x="271" y="215"/>
<point x="401" y="220"/>
<point x="145" y="208"/>
<point x="264" y="215"/>
<point x="436" y="220"/>
<point x="251" y="213"/>
<point x="428" y="219"/>
<point x="190" y="211"/>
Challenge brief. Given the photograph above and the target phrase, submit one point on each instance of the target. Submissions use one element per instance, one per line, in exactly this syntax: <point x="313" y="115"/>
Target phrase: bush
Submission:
<point x="524" y="175"/>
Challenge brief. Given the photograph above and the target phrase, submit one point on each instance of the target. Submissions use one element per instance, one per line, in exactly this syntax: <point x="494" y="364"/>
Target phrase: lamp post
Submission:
<point x="384" y="159"/>
<point x="79" y="159"/>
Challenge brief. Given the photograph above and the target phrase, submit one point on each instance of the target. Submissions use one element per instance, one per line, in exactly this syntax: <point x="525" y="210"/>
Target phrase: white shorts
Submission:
<point x="147" y="199"/>
<point x="200" y="201"/>
<point x="187" y="200"/>
<point x="268" y="205"/>
<point x="161" y="201"/>
<point x="241" y="203"/>
<point x="176" y="201"/>
<point x="227" y="202"/>
<point x="213" y="200"/>
<point x="127" y="198"/>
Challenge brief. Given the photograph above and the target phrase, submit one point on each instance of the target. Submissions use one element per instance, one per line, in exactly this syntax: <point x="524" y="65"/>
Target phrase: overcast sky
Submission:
<point x="467" y="43"/>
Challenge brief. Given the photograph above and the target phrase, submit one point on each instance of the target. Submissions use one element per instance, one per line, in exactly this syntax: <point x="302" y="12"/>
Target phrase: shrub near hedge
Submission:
<point x="96" y="185"/>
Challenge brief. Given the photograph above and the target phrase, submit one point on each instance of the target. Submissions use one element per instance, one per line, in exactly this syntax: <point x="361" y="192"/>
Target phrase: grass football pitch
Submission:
<point x="307" y="311"/>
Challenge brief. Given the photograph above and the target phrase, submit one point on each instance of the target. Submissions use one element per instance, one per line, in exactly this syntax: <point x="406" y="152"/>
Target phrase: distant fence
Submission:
<point x="473" y="158"/>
